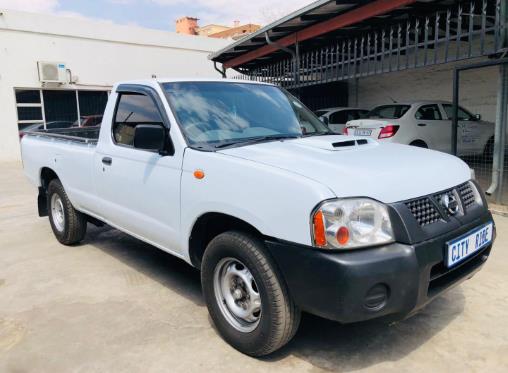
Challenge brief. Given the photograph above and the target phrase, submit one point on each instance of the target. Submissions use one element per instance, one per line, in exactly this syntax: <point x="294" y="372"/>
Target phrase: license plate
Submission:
<point x="363" y="132"/>
<point x="468" y="244"/>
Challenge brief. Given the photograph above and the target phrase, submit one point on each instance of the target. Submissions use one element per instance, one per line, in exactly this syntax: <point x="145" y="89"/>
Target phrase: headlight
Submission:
<point x="351" y="223"/>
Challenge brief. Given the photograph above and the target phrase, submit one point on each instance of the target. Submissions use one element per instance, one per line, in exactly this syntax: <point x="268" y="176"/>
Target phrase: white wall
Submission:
<point x="98" y="53"/>
<point x="478" y="88"/>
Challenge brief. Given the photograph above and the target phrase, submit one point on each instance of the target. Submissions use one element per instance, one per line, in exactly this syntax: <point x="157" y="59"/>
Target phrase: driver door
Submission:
<point x="139" y="189"/>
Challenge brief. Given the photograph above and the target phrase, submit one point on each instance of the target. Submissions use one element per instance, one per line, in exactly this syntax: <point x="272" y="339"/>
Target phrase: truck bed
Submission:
<point x="77" y="134"/>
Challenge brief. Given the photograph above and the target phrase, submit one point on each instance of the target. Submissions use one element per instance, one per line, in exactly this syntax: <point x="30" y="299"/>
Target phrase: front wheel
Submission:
<point x="246" y="296"/>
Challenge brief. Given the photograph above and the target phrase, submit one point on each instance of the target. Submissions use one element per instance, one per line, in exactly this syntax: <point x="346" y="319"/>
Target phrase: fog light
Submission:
<point x="377" y="297"/>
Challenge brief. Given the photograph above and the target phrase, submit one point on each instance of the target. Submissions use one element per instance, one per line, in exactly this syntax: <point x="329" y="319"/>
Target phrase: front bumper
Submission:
<point x="349" y="286"/>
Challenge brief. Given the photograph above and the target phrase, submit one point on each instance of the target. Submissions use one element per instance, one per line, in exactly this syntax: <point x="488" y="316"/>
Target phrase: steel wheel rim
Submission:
<point x="57" y="212"/>
<point x="237" y="294"/>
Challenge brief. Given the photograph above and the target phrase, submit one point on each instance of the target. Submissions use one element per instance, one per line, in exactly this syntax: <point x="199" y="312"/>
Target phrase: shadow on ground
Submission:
<point x="332" y="346"/>
<point x="324" y="344"/>
<point x="152" y="262"/>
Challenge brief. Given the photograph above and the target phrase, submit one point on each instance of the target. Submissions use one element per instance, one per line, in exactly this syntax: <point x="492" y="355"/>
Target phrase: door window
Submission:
<point x="133" y="109"/>
<point x="463" y="114"/>
<point x="428" y="112"/>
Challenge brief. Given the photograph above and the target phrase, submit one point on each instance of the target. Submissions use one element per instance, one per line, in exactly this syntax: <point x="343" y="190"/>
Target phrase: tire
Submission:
<point x="419" y="144"/>
<point x="278" y="317"/>
<point x="68" y="224"/>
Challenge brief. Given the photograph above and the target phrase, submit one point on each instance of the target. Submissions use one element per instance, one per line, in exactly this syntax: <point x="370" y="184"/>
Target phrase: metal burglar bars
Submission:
<point x="443" y="34"/>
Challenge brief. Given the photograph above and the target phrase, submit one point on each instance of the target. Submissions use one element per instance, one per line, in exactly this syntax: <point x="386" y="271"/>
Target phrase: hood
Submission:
<point x="354" y="167"/>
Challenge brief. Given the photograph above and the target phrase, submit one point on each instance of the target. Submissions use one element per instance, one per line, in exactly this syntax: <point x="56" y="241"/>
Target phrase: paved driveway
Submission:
<point x="116" y="304"/>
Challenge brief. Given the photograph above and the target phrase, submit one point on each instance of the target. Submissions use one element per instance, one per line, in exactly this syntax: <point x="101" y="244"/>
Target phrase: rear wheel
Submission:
<point x="68" y="224"/>
<point x="246" y="296"/>
<point x="419" y="144"/>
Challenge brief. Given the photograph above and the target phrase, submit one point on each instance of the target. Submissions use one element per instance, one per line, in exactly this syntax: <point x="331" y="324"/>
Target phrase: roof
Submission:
<point x="334" y="18"/>
<point x="278" y="28"/>
<point x="190" y="79"/>
<point x="416" y="102"/>
<point x="339" y="108"/>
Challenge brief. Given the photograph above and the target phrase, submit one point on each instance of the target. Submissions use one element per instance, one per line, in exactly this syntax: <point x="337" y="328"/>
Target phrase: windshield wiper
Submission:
<point x="320" y="134"/>
<point x="254" y="140"/>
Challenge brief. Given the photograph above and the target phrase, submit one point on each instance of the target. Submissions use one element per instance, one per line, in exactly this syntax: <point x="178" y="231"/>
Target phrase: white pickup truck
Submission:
<point x="242" y="181"/>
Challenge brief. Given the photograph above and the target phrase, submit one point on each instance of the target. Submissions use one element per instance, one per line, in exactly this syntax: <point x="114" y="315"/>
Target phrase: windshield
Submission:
<point x="388" y="111"/>
<point x="213" y="114"/>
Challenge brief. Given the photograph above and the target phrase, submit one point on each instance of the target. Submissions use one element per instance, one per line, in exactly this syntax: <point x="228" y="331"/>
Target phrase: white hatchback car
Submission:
<point x="337" y="117"/>
<point x="426" y="124"/>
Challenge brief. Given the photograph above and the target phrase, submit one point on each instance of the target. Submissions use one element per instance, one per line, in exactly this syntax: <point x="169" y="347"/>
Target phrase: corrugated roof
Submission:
<point x="316" y="13"/>
<point x="306" y="16"/>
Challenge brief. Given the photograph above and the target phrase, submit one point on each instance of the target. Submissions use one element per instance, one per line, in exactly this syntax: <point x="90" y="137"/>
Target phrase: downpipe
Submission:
<point x="499" y="134"/>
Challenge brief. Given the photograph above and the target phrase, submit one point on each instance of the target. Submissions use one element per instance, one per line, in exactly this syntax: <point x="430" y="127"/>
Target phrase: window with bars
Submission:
<point x="59" y="108"/>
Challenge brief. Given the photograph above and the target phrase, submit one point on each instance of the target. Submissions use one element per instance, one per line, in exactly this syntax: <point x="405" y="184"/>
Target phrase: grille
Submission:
<point x="467" y="194"/>
<point x="424" y="211"/>
<point x="428" y="210"/>
<point x="439" y="197"/>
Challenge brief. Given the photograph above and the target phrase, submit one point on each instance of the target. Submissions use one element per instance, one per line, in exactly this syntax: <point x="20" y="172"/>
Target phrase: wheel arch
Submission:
<point x="418" y="142"/>
<point x="210" y="225"/>
<point x="46" y="175"/>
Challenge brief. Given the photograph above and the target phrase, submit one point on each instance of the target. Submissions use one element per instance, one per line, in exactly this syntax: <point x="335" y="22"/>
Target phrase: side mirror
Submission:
<point x="325" y="120"/>
<point x="478" y="117"/>
<point x="149" y="137"/>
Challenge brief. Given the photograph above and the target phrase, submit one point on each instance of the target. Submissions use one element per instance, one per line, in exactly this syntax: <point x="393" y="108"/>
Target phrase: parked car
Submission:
<point x="242" y="181"/>
<point x="426" y="124"/>
<point x="49" y="125"/>
<point x="336" y="118"/>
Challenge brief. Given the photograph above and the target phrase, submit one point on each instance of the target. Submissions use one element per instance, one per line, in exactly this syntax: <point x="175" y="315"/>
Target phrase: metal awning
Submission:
<point x="316" y="24"/>
<point x="311" y="14"/>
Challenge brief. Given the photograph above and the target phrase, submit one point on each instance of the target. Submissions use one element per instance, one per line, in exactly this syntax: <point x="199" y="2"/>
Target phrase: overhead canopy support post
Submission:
<point x="295" y="54"/>
<point x="220" y="71"/>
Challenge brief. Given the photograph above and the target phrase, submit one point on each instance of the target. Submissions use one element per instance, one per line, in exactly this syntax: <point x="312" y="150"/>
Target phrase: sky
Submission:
<point x="161" y="14"/>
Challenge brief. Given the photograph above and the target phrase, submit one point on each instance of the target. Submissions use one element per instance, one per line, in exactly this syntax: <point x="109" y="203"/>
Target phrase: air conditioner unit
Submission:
<point x="52" y="72"/>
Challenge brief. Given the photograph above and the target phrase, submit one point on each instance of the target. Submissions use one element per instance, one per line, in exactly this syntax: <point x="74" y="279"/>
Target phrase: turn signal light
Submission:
<point x="388" y="131"/>
<point x="344" y="131"/>
<point x="198" y="174"/>
<point x="319" y="229"/>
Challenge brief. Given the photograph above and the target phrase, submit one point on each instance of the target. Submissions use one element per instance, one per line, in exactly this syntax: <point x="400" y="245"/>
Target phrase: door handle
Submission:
<point x="422" y="124"/>
<point x="107" y="161"/>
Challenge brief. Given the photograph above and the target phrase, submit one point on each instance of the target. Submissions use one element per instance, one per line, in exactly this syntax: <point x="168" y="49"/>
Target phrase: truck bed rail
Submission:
<point x="81" y="135"/>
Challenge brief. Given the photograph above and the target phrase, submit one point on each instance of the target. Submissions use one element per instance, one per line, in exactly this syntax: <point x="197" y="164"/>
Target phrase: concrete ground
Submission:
<point x="115" y="304"/>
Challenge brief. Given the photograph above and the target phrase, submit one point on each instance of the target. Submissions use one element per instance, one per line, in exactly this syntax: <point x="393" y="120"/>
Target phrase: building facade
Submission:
<point x="87" y="58"/>
<point x="190" y="26"/>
